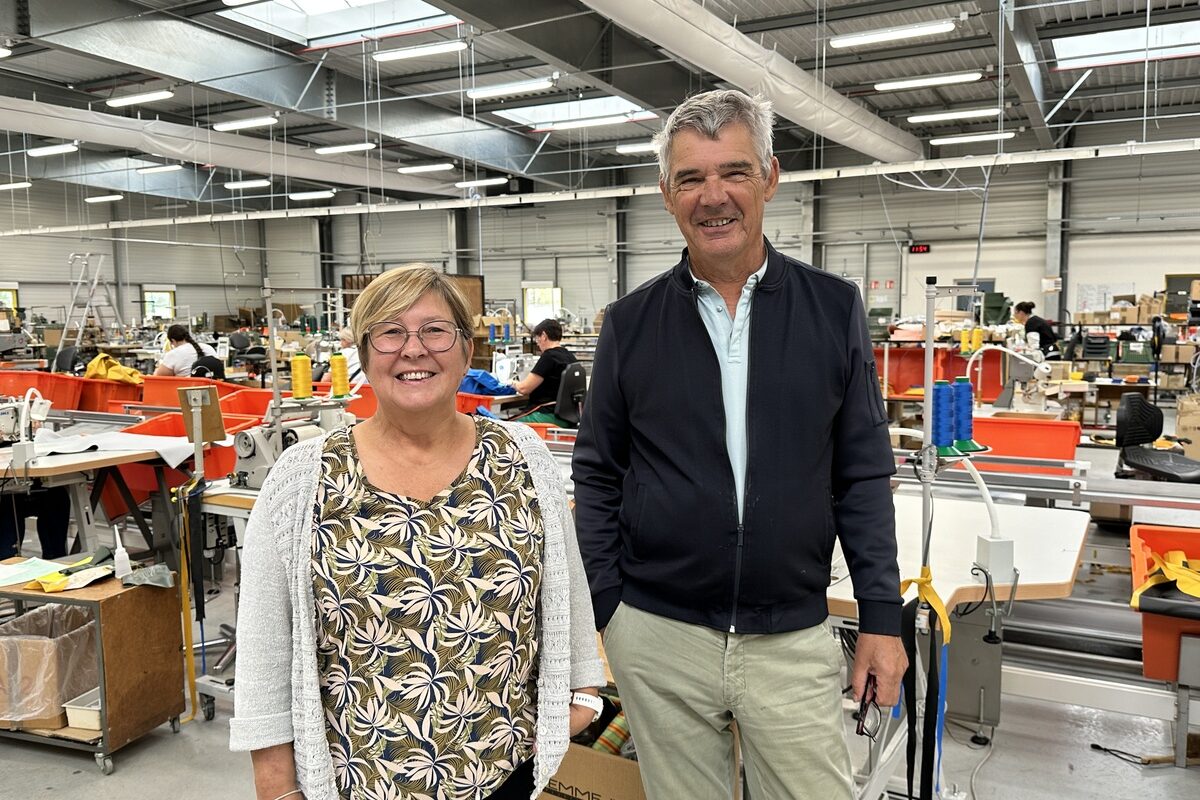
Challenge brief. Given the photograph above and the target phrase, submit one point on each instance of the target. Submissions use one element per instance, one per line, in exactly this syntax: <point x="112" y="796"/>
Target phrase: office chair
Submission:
<point x="252" y="356"/>
<point x="572" y="391"/>
<point x="208" y="367"/>
<point x="1140" y="422"/>
<point x="67" y="360"/>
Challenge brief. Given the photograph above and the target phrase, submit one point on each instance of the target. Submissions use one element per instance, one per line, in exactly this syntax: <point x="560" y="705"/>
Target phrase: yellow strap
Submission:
<point x="1173" y="566"/>
<point x="929" y="596"/>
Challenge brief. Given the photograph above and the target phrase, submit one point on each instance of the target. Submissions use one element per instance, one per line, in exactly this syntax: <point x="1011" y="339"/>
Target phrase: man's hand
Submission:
<point x="883" y="657"/>
<point x="581" y="716"/>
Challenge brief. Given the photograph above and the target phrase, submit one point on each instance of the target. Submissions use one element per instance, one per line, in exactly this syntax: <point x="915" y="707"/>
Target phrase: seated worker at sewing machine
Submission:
<point x="186" y="354"/>
<point x="541" y="387"/>
<point x="51" y="506"/>
<point x="350" y="350"/>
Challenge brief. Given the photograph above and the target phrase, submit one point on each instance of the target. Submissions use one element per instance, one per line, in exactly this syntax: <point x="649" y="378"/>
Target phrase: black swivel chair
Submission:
<point x="209" y="367"/>
<point x="1140" y="422"/>
<point x="252" y="356"/>
<point x="67" y="360"/>
<point x="572" y="391"/>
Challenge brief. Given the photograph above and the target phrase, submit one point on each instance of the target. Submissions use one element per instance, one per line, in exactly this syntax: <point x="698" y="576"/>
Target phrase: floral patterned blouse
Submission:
<point x="427" y="624"/>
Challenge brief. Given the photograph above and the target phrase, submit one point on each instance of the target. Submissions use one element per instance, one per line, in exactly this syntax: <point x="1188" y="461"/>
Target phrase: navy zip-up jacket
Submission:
<point x="655" y="504"/>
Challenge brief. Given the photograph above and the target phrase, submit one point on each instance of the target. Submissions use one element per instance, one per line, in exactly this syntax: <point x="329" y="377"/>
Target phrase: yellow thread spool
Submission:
<point x="339" y="375"/>
<point x="964" y="340"/>
<point x="977" y="338"/>
<point x="301" y="377"/>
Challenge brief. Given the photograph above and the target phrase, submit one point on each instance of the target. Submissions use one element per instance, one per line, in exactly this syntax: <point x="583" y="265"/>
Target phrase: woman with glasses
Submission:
<point x="414" y="618"/>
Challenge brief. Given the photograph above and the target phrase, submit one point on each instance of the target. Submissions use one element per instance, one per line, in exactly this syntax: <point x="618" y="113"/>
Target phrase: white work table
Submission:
<point x="1047" y="544"/>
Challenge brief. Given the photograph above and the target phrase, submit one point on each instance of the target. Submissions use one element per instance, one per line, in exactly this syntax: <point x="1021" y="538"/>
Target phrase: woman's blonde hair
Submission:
<point x="398" y="290"/>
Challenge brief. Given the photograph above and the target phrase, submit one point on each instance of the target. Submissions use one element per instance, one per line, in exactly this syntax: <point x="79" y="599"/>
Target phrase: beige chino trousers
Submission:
<point x="682" y="685"/>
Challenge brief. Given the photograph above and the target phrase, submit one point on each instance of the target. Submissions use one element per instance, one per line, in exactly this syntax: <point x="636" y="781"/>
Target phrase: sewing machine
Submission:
<point x="510" y="363"/>
<point x="294" y="421"/>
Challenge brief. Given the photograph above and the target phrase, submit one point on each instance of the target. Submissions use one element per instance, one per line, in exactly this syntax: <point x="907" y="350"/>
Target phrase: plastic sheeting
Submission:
<point x="700" y="37"/>
<point x="47" y="657"/>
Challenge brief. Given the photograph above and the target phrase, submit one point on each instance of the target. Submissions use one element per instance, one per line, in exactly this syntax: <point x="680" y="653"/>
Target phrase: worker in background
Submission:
<point x="541" y="385"/>
<point x="350" y="350"/>
<point x="414" y="614"/>
<point x="732" y="429"/>
<point x="1047" y="338"/>
<point x="185" y="353"/>
<point x="52" y="508"/>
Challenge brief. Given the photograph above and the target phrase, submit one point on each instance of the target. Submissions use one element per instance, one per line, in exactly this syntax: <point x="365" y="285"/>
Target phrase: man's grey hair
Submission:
<point x="707" y="113"/>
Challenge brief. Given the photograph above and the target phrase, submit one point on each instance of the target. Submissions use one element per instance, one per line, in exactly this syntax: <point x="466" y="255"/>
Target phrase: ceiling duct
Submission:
<point x="696" y="35"/>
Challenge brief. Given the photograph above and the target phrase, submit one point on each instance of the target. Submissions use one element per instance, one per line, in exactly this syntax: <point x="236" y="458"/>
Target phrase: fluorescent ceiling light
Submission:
<point x="973" y="137"/>
<point x="134" y="99"/>
<point x="242" y="124"/>
<point x="928" y="80"/>
<point x="414" y="170"/>
<point x="636" y="147"/>
<point x="595" y="122"/>
<point x="8" y="187"/>
<point x="237" y="2"/>
<point x="966" y="113"/>
<point x="893" y="34"/>
<point x="256" y="183"/>
<point x="480" y="182"/>
<point x="320" y="194"/>
<point x="344" y="148"/>
<point x="1177" y="40"/>
<point x="159" y="168"/>
<point x="518" y="87"/>
<point x="51" y="150"/>
<point x="5" y="52"/>
<point x="104" y="198"/>
<point x="420" y="51"/>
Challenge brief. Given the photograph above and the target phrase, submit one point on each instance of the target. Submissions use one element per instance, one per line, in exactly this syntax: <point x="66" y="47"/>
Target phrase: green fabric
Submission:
<point x="544" y="416"/>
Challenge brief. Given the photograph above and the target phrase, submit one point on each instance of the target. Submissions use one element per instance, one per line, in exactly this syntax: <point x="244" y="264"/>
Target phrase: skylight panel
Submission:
<point x="570" y="110"/>
<point x="1177" y="40"/>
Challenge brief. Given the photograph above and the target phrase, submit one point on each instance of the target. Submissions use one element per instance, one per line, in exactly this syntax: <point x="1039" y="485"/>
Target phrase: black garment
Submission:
<point x="1047" y="338"/>
<point x="52" y="507"/>
<point x="656" y="507"/>
<point x="550" y="367"/>
<point x="519" y="785"/>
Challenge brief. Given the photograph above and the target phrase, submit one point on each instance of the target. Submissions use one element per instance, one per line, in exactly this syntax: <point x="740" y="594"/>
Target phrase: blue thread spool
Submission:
<point x="491" y="333"/>
<point x="506" y="332"/>
<point x="964" y="415"/>
<point x="943" y="419"/>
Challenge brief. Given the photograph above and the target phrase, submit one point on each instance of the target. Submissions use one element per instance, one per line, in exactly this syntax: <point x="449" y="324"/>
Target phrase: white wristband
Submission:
<point x="588" y="701"/>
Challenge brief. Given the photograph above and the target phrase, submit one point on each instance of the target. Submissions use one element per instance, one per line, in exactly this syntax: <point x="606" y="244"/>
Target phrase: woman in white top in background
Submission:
<point x="184" y="353"/>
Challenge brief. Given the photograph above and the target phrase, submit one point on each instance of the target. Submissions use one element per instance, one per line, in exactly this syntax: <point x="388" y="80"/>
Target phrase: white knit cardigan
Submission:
<point x="278" y="697"/>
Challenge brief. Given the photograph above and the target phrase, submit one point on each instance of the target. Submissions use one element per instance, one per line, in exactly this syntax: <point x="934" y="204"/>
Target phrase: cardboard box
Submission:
<point x="47" y="657"/>
<point x="1195" y="293"/>
<point x="1184" y="353"/>
<point x="1123" y="370"/>
<point x="1188" y="427"/>
<point x="1060" y="370"/>
<point x="1176" y="381"/>
<point x="1169" y="354"/>
<point x="592" y="775"/>
<point x="1111" y="512"/>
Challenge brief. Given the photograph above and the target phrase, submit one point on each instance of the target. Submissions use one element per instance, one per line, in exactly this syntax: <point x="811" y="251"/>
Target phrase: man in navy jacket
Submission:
<point x="734" y="426"/>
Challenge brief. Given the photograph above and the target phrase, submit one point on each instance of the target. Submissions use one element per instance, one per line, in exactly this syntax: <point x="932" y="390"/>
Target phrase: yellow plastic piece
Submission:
<point x="339" y="375"/>
<point x="929" y="596"/>
<point x="301" y="377"/>
<point x="1171" y="566"/>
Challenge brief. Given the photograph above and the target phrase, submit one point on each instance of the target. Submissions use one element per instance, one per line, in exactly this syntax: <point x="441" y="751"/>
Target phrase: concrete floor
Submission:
<point x="1041" y="750"/>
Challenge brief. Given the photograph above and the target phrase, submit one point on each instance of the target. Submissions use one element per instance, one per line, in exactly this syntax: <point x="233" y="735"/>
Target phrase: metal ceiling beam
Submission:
<point x="455" y="73"/>
<point x="564" y="36"/>
<point x="1022" y="56"/>
<point x="834" y="14"/>
<point x="120" y="31"/>
<point x="1117" y="22"/>
<point x="118" y="173"/>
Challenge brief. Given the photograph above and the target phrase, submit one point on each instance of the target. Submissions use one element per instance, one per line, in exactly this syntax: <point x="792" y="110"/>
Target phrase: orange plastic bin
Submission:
<point x="1160" y="634"/>
<point x="467" y="403"/>
<point x="249" y="402"/>
<point x="218" y="461"/>
<point x="61" y="390"/>
<point x="162" y="390"/>
<point x="1027" y="438"/>
<point x="97" y="393"/>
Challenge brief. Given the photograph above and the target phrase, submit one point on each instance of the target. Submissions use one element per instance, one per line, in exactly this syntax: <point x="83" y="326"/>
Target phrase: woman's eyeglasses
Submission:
<point x="437" y="336"/>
